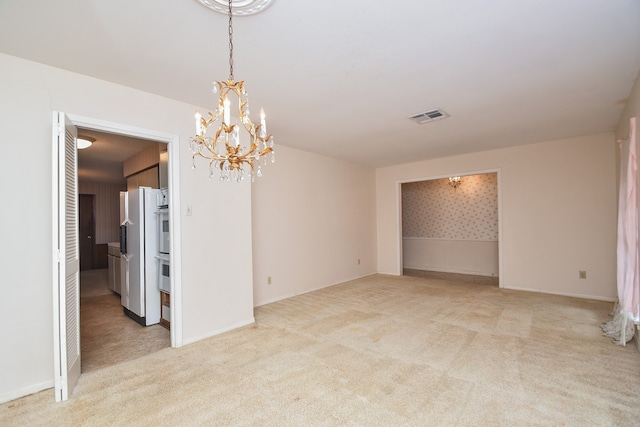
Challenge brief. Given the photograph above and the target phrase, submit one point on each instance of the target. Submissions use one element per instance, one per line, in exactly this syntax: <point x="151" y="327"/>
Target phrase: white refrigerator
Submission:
<point x="140" y="295"/>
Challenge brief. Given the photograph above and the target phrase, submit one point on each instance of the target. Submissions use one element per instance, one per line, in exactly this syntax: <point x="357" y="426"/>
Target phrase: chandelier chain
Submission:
<point x="230" y="42"/>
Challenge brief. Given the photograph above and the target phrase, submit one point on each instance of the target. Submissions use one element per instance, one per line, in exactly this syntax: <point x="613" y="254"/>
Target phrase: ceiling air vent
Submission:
<point x="429" y="116"/>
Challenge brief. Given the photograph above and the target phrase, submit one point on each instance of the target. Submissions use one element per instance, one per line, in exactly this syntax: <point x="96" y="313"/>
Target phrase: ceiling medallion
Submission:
<point x="240" y="7"/>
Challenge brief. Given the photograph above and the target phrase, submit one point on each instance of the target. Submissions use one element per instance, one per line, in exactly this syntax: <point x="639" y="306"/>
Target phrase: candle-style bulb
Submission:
<point x="198" y="123"/>
<point x="263" y="123"/>
<point x="227" y="111"/>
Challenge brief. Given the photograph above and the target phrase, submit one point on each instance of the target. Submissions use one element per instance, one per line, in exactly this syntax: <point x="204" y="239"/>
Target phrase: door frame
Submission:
<point x="173" y="148"/>
<point x="400" y="243"/>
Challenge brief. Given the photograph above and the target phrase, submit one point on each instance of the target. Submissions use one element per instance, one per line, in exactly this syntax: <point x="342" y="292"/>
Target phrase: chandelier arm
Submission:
<point x="242" y="107"/>
<point x="266" y="151"/>
<point x="249" y="127"/>
<point x="212" y="118"/>
<point x="243" y="158"/>
<point x="210" y="148"/>
<point x="198" y="154"/>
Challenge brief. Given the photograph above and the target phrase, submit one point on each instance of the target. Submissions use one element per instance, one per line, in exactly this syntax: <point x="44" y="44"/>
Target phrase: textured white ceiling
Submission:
<point x="340" y="77"/>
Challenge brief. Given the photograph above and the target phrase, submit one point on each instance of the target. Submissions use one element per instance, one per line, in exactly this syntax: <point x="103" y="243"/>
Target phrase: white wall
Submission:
<point x="558" y="212"/>
<point x="479" y="257"/>
<point x="215" y="241"/>
<point x="313" y="218"/>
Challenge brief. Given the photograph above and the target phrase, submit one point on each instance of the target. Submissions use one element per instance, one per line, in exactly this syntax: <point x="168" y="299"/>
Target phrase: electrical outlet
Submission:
<point x="268" y="280"/>
<point x="582" y="274"/>
<point x="189" y="210"/>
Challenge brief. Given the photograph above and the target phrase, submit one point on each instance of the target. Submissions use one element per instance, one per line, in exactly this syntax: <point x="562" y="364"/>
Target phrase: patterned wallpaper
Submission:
<point x="433" y="209"/>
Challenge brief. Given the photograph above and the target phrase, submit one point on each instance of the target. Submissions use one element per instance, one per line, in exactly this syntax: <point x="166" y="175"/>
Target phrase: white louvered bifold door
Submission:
<point x="66" y="257"/>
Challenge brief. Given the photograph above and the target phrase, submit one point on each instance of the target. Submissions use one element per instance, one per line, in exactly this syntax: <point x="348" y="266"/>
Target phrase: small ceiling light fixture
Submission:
<point x="224" y="149"/>
<point x="84" y="141"/>
<point x="455" y="182"/>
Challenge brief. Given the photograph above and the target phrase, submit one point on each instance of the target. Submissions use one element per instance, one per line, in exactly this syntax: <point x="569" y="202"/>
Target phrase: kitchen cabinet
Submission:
<point x="113" y="265"/>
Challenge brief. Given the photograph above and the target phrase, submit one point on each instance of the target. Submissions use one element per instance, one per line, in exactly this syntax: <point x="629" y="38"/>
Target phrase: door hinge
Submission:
<point x="57" y="256"/>
<point x="58" y="128"/>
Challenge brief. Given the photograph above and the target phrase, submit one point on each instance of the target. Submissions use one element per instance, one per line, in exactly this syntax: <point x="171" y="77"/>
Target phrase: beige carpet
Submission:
<point x="379" y="351"/>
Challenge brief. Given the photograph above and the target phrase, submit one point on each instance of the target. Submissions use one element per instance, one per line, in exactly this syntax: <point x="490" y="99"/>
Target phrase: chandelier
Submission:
<point x="229" y="150"/>
<point x="455" y="182"/>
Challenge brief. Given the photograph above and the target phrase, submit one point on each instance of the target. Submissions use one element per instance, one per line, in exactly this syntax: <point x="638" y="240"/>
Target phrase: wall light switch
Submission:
<point x="582" y="274"/>
<point x="189" y="210"/>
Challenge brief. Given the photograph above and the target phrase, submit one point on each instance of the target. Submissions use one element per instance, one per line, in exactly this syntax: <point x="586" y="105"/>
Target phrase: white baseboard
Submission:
<point x="25" y="391"/>
<point x="220" y="331"/>
<point x="449" y="270"/>
<point x="565" y="294"/>
<point x="291" y="295"/>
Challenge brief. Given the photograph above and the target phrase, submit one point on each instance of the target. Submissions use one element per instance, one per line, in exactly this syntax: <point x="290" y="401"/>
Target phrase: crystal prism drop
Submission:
<point x="215" y="87"/>
<point x="259" y="173"/>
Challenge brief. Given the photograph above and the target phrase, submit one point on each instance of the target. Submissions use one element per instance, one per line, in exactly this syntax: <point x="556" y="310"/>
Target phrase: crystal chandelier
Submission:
<point x="224" y="149"/>
<point x="455" y="182"/>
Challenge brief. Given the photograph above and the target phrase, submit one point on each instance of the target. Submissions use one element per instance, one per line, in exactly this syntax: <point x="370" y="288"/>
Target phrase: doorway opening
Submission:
<point x="449" y="228"/>
<point x="111" y="165"/>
